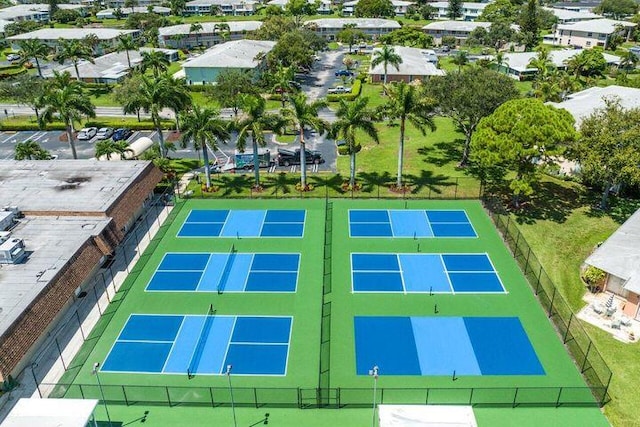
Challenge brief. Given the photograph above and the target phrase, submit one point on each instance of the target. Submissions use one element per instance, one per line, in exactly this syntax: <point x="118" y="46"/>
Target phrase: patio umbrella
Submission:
<point x="609" y="302"/>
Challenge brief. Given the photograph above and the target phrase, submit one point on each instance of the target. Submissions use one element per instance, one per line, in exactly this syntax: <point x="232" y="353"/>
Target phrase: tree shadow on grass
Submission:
<point x="373" y="181"/>
<point x="280" y="183"/>
<point x="552" y="201"/>
<point x="435" y="184"/>
<point x="619" y="208"/>
<point x="333" y="182"/>
<point x="233" y="184"/>
<point x="442" y="153"/>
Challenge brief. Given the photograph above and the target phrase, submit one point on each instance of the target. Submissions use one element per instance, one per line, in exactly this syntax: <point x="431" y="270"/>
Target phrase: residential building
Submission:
<point x="3" y="24"/>
<point x="212" y="33"/>
<point x="577" y="6"/>
<point x="470" y="11"/>
<point x="111" y="13"/>
<point x="458" y="29"/>
<point x="371" y="27"/>
<point x="51" y="36"/>
<point x="619" y="258"/>
<point x="595" y="32"/>
<point x="399" y="6"/>
<point x="516" y="64"/>
<point x="324" y="6"/>
<point x="114" y="4"/>
<point x="111" y="68"/>
<point x="584" y="103"/>
<point x="239" y="54"/>
<point x="569" y="16"/>
<point x="35" y="12"/>
<point x="221" y="7"/>
<point x="75" y="214"/>
<point x="417" y="64"/>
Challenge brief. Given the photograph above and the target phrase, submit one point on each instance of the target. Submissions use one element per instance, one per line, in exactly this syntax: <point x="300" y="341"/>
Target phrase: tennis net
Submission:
<point x="204" y="333"/>
<point x="227" y="270"/>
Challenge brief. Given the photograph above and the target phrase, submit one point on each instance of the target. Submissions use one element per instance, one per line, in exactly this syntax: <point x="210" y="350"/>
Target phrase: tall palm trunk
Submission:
<point x="384" y="80"/>
<point x="75" y="65"/>
<point x="207" y="168"/>
<point x="256" y="160"/>
<point x="401" y="152"/>
<point x="38" y="66"/>
<point x="156" y="122"/>
<point x="303" y="160"/>
<point x="605" y="195"/>
<point x="72" y="142"/>
<point x="128" y="59"/>
<point x="352" y="177"/>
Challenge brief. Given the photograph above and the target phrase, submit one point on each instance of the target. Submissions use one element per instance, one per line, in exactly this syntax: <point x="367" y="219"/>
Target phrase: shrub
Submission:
<point x="356" y="89"/>
<point x="593" y="276"/>
<point x="130" y="123"/>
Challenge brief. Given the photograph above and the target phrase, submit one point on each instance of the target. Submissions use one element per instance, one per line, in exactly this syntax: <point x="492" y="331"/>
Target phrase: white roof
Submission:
<point x="233" y="54"/>
<point x="361" y="23"/>
<point x="4" y="23"/>
<point x="619" y="255"/>
<point x="466" y="26"/>
<point x="519" y="61"/>
<point x="414" y="63"/>
<point x="51" y="413"/>
<point x="465" y="5"/>
<point x="583" y="104"/>
<point x="21" y="10"/>
<point x="601" y="26"/>
<point x="283" y="3"/>
<point x="136" y="9"/>
<point x="564" y="14"/>
<point x="217" y="2"/>
<point x="209" y="27"/>
<point x="426" y="416"/>
<point x="71" y="33"/>
<point x="393" y="2"/>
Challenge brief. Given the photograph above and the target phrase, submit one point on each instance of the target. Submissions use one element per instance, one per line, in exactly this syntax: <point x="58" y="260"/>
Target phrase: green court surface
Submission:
<point x="322" y="346"/>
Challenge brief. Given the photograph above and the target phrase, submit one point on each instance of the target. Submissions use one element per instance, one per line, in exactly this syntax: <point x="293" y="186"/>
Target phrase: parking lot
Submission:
<point x="55" y="142"/>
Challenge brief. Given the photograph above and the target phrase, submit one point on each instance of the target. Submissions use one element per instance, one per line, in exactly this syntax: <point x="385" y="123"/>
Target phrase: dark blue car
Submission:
<point x="121" y="134"/>
<point x="346" y="73"/>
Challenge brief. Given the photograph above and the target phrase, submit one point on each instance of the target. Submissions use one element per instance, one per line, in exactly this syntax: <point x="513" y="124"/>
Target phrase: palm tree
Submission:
<point x="33" y="48"/>
<point x="30" y="150"/>
<point x="92" y="41"/>
<point x="542" y="62"/>
<point x="629" y="60"/>
<point x="156" y="60"/>
<point x="204" y="128"/>
<point x="223" y="29"/>
<point x="305" y="114"/>
<point x="126" y="43"/>
<point x="65" y="99"/>
<point x="154" y="94"/>
<point x="73" y="50"/>
<point x="181" y="100"/>
<point x="499" y="60"/>
<point x="461" y="59"/>
<point x="255" y="121"/>
<point x="352" y="117"/>
<point x="407" y="102"/>
<point x="282" y="82"/>
<point x="196" y="28"/>
<point x="131" y="3"/>
<point x="108" y="147"/>
<point x="386" y="56"/>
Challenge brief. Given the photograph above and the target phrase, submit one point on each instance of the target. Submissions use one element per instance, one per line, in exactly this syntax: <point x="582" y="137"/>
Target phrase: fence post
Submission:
<point x="564" y="340"/>
<point x="426" y="402"/>
<point x="124" y="394"/>
<point x="166" y="388"/>
<point x="211" y="395"/>
<point x="538" y="279"/>
<point x="80" y="388"/>
<point x="471" y="396"/>
<point x="84" y="338"/>
<point x="515" y="248"/>
<point x="586" y="355"/>
<point x="35" y="379"/>
<point x="60" y="353"/>
<point x="455" y="192"/>
<point x="515" y="397"/>
<point x="255" y="397"/>
<point x="558" y="400"/>
<point x="526" y="263"/>
<point x="95" y="293"/>
<point x="553" y="297"/>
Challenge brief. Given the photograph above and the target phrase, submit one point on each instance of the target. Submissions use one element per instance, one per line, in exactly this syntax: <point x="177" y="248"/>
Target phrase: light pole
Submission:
<point x="374" y="373"/>
<point x="94" y="371"/>
<point x="233" y="405"/>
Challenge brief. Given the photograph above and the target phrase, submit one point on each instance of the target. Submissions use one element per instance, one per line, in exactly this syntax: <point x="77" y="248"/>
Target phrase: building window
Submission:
<point x="589" y="34"/>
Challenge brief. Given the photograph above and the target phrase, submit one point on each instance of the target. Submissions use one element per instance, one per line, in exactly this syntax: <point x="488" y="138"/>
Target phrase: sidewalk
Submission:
<point x="61" y="345"/>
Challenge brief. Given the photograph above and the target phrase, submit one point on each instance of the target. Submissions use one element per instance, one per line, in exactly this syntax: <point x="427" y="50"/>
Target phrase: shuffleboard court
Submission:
<point x="405" y="223"/>
<point x="226" y="272"/>
<point x="237" y="223"/>
<point x="424" y="273"/>
<point x="201" y="345"/>
<point x="444" y="346"/>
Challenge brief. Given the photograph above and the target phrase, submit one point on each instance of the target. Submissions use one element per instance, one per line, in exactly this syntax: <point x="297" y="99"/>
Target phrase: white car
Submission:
<point x="13" y="57"/>
<point x="104" y="133"/>
<point x="87" y="133"/>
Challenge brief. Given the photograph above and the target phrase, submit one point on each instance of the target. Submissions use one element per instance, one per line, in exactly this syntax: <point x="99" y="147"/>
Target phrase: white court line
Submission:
<point x="446" y="272"/>
<point x="202" y="273"/>
<point x="226" y="352"/>
<point x="174" y="344"/>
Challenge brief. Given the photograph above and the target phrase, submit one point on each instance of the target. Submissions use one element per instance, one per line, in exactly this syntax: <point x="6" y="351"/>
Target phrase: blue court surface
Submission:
<point x="243" y="223"/>
<point x="175" y="344"/>
<point x="409" y="223"/>
<point x="416" y="273"/>
<point x="442" y="345"/>
<point x="226" y="272"/>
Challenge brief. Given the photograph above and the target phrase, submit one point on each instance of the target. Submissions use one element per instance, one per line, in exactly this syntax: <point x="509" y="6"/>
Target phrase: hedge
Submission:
<point x="7" y="75"/>
<point x="199" y="88"/>
<point x="28" y="124"/>
<point x="131" y="123"/>
<point x="356" y="89"/>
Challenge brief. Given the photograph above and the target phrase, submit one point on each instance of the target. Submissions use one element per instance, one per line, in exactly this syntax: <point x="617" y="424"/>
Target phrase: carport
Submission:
<point x="52" y="413"/>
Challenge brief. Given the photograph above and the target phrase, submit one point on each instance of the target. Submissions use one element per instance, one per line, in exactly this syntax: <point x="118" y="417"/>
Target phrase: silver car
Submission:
<point x="104" y="133"/>
<point x="87" y="133"/>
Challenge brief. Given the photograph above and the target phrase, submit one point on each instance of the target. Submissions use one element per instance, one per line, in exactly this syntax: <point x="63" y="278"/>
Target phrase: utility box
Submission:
<point x="6" y="219"/>
<point x="11" y="248"/>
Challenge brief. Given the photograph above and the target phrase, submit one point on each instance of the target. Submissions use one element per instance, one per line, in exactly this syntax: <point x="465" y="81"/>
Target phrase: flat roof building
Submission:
<point x="212" y="33"/>
<point x="399" y="7"/>
<point x="220" y="7"/>
<point x="371" y="27"/>
<point x="569" y="16"/>
<point x="582" y="104"/>
<point x="470" y="10"/>
<point x="35" y="12"/>
<point x="591" y="33"/>
<point x="417" y="64"/>
<point x="75" y="214"/>
<point x="126" y="11"/>
<point x="458" y="29"/>
<point x="51" y="36"/>
<point x="517" y="65"/>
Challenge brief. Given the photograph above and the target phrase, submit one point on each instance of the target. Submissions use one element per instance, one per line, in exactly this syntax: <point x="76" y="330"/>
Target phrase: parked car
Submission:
<point x="338" y="89"/>
<point x="292" y="157"/>
<point x="13" y="57"/>
<point x="346" y="73"/>
<point x="104" y="133"/>
<point x="121" y="134"/>
<point x="86" y="134"/>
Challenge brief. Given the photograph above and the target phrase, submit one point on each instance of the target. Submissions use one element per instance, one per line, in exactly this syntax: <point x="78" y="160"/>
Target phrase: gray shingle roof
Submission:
<point x="233" y="54"/>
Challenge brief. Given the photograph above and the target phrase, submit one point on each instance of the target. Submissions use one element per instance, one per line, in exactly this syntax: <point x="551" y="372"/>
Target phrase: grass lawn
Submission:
<point x="562" y="228"/>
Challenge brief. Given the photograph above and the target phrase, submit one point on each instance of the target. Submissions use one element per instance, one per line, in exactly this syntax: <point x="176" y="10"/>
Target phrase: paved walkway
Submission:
<point x="68" y="335"/>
